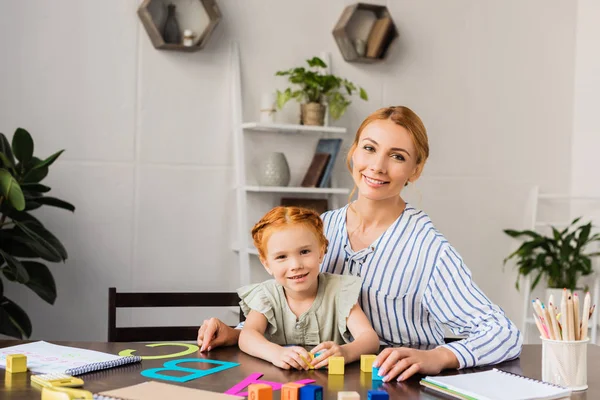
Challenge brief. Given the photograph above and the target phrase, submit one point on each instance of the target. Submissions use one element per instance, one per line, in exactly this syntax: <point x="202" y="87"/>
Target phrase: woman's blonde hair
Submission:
<point x="280" y="217"/>
<point x="406" y="118"/>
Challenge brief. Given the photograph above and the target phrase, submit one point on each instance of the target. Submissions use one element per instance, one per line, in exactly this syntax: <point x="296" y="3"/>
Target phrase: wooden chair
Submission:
<point x="162" y="333"/>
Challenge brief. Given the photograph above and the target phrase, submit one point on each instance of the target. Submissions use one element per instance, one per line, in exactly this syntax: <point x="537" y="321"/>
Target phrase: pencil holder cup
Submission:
<point x="564" y="363"/>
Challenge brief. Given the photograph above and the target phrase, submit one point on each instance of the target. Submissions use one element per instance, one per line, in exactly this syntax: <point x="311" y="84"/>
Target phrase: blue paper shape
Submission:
<point x="194" y="373"/>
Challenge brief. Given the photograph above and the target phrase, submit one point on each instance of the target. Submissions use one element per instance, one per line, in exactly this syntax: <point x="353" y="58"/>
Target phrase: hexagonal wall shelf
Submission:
<point x="199" y="16"/>
<point x="364" y="32"/>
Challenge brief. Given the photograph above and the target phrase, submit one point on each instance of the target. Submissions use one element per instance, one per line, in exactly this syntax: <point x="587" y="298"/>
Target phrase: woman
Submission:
<point x="413" y="280"/>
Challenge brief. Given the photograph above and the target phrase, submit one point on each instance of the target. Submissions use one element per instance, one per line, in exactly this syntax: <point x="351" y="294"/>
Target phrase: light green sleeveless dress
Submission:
<point x="324" y="321"/>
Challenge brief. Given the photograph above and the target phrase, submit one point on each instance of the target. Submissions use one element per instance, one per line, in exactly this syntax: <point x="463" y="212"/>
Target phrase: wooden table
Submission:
<point x="529" y="364"/>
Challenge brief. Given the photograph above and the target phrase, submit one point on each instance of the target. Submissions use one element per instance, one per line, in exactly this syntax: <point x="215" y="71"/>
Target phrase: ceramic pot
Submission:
<point x="274" y="171"/>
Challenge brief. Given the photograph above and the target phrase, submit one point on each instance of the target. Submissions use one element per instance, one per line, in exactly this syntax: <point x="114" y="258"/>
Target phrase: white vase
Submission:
<point x="274" y="170"/>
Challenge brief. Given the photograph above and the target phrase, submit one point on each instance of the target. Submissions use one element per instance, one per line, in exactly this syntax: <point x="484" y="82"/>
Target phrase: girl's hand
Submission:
<point x="292" y="357"/>
<point x="405" y="362"/>
<point x="330" y="349"/>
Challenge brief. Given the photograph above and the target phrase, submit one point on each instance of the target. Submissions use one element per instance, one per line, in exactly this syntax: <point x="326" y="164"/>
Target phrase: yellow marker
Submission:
<point x="366" y="362"/>
<point x="336" y="365"/>
<point x="59" y="393"/>
<point x="16" y="363"/>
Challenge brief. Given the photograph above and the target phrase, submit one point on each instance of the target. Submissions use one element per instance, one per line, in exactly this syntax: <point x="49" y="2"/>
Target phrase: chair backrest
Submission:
<point x="157" y="299"/>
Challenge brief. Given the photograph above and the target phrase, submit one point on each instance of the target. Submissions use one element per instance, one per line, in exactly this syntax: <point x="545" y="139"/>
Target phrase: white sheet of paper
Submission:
<point x="46" y="358"/>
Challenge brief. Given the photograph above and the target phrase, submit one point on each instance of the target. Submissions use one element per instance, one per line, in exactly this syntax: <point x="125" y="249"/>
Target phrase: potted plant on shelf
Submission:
<point x="21" y="234"/>
<point x="316" y="91"/>
<point x="560" y="259"/>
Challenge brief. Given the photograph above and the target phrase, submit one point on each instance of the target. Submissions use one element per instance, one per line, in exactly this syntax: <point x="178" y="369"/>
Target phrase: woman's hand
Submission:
<point x="405" y="362"/>
<point x="291" y="357"/>
<point x="214" y="333"/>
<point x="330" y="349"/>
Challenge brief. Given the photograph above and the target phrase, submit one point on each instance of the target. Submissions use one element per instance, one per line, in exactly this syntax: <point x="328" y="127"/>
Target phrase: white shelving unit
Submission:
<point x="244" y="191"/>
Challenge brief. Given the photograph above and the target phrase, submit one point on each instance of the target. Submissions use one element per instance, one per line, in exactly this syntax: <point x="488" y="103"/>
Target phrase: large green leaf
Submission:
<point x="22" y="145"/>
<point x="21" y="245"/>
<point x="42" y="236"/>
<point x="16" y="268"/>
<point x="35" y="187"/>
<point x="54" y="202"/>
<point x="41" y="281"/>
<point x="5" y="148"/>
<point x="14" y="320"/>
<point x="48" y="161"/>
<point x="11" y="190"/>
<point x="35" y="175"/>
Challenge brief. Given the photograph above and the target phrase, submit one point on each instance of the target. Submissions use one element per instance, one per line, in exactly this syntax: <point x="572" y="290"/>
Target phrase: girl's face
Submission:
<point x="293" y="256"/>
<point x="384" y="160"/>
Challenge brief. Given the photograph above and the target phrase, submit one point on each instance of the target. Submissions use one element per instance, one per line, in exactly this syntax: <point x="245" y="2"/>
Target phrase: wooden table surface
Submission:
<point x="18" y="386"/>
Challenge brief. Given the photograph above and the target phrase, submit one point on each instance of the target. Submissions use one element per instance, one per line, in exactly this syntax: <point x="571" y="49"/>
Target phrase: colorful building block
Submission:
<point x="311" y="392"/>
<point x="291" y="391"/>
<point x="16" y="363"/>
<point x="375" y="374"/>
<point x="336" y="365"/>
<point x="378" y="395"/>
<point x="366" y="362"/>
<point x="260" y="391"/>
<point x="348" y="396"/>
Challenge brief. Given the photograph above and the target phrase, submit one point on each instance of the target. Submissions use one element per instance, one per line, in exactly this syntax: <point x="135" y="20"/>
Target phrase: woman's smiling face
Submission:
<point x="384" y="160"/>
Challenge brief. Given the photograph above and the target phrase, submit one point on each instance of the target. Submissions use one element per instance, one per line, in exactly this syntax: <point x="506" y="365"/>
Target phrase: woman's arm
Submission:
<point x="253" y="342"/>
<point x="454" y="300"/>
<point x="214" y="333"/>
<point x="365" y="341"/>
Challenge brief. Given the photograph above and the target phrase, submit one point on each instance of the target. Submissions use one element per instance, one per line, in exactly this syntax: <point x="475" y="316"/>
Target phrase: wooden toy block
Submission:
<point x="260" y="391"/>
<point x="311" y="392"/>
<point x="377" y="395"/>
<point x="16" y="363"/>
<point x="348" y="396"/>
<point x="366" y="362"/>
<point x="291" y="391"/>
<point x="336" y="365"/>
<point x="375" y="374"/>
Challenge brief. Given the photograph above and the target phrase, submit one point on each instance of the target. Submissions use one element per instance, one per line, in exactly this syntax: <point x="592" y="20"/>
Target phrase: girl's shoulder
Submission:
<point x="342" y="287"/>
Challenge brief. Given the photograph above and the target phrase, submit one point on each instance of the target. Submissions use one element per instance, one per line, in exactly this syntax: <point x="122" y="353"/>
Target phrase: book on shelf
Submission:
<point x="315" y="171"/>
<point x="331" y="146"/>
<point x="379" y="37"/>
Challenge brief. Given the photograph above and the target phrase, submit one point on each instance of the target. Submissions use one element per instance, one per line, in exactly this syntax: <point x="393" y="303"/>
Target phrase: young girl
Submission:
<point x="301" y="306"/>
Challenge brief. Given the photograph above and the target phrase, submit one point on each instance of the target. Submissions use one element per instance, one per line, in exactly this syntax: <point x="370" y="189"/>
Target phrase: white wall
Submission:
<point x="148" y="133"/>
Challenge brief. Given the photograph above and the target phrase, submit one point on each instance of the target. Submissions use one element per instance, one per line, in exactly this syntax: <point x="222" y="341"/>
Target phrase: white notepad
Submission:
<point x="495" y="385"/>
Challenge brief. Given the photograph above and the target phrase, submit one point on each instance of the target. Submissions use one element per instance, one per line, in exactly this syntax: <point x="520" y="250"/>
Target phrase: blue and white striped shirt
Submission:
<point x="413" y="281"/>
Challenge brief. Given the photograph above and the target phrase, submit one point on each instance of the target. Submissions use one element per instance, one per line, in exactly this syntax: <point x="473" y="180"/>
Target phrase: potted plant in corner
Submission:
<point x="317" y="91"/>
<point x="560" y="259"/>
<point x="23" y="238"/>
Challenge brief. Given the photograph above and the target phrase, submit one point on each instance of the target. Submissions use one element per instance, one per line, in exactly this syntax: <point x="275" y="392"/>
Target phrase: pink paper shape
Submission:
<point x="254" y="378"/>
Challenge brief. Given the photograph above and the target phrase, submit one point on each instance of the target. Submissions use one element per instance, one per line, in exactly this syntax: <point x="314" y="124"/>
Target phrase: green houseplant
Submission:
<point x="316" y="90"/>
<point x="561" y="258"/>
<point x="23" y="238"/>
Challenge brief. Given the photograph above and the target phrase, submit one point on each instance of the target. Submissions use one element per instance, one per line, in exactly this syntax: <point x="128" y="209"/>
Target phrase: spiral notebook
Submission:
<point x="48" y="358"/>
<point x="494" y="385"/>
